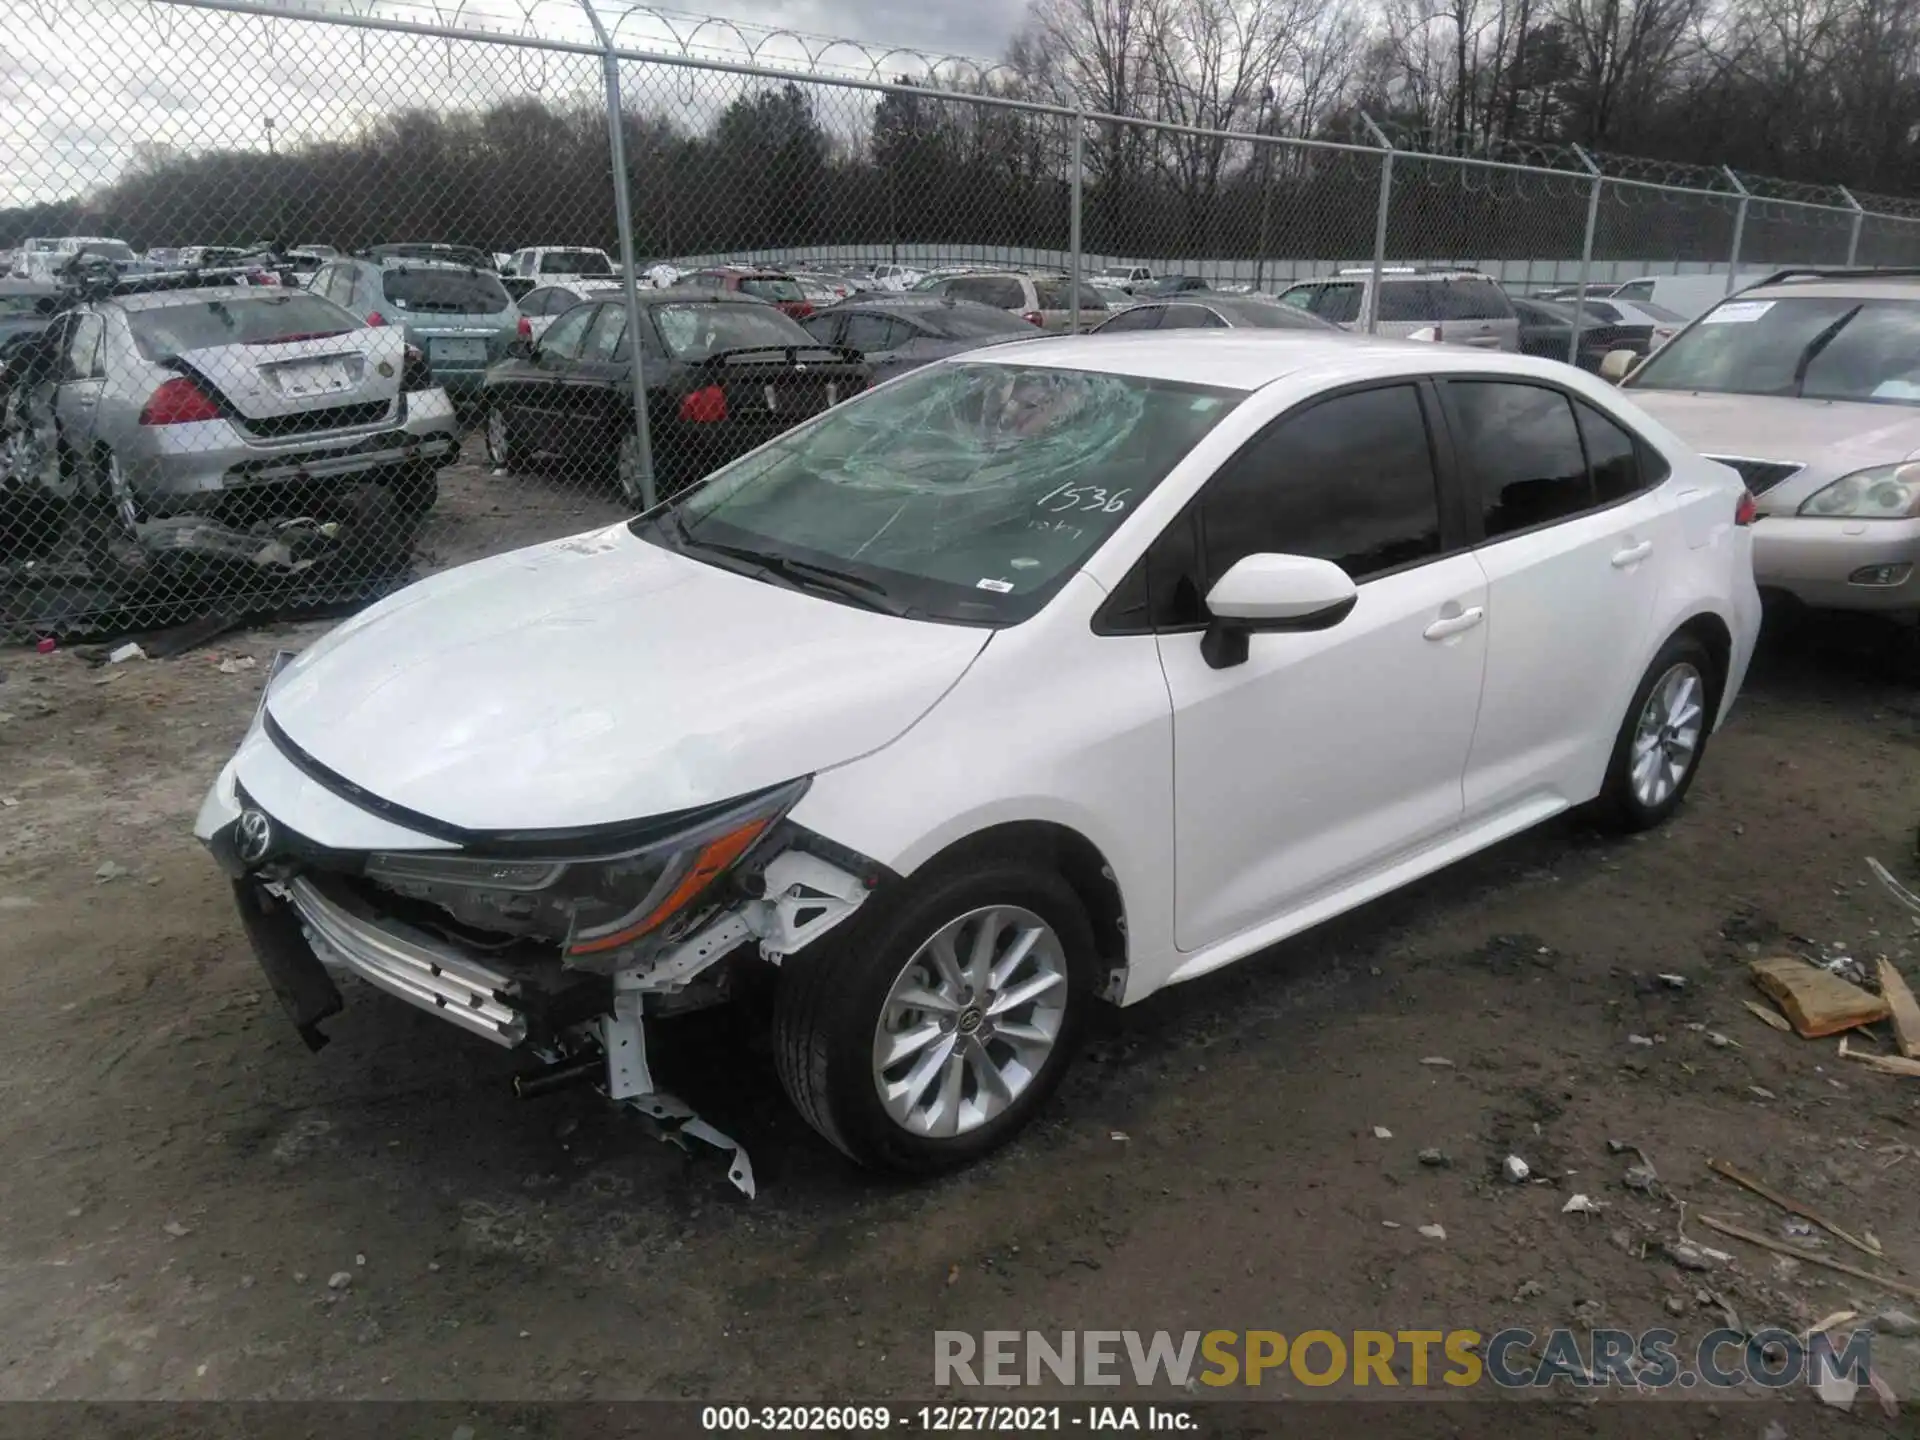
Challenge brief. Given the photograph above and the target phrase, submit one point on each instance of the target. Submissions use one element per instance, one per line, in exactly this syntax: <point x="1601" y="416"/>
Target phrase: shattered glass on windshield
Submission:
<point x="968" y="491"/>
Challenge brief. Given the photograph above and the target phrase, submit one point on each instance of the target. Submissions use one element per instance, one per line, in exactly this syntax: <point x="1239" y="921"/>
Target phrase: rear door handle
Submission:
<point x="1455" y="624"/>
<point x="1632" y="555"/>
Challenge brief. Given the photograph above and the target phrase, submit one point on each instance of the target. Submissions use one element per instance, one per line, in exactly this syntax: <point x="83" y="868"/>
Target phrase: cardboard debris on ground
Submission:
<point x="1901" y="1009"/>
<point x="1768" y="1016"/>
<point x="1816" y="1002"/>
<point x="1885" y="1064"/>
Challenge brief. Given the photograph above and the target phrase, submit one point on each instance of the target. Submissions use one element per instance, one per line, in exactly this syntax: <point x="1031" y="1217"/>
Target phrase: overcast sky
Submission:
<point x="86" y="86"/>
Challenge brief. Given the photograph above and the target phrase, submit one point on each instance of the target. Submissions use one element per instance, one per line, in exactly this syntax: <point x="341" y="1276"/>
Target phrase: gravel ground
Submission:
<point x="183" y="1178"/>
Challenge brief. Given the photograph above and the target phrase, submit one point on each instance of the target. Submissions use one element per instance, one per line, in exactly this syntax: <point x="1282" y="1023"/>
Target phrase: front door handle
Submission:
<point x="1632" y="555"/>
<point x="1455" y="624"/>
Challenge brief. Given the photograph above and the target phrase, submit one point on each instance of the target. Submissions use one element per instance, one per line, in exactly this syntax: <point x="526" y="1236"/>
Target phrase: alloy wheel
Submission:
<point x="1666" y="738"/>
<point x="970" y="1021"/>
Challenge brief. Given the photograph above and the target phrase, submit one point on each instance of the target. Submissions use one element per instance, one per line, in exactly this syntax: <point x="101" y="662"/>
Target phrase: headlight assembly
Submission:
<point x="1883" y="492"/>
<point x="600" y="905"/>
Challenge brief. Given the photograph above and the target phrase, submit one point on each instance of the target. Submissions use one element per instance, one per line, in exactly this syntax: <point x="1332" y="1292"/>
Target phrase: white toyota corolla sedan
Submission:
<point x="1036" y="678"/>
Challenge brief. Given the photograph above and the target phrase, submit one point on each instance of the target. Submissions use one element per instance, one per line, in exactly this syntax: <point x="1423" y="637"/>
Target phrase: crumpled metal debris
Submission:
<point x="678" y="1122"/>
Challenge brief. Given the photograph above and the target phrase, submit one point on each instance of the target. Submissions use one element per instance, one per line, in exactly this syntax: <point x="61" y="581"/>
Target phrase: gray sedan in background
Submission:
<point x="227" y="398"/>
<point x="897" y="333"/>
<point x="1205" y="311"/>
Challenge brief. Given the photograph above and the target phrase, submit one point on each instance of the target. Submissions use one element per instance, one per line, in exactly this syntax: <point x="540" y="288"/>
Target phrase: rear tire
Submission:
<point x="969" y="1076"/>
<point x="1663" y="737"/>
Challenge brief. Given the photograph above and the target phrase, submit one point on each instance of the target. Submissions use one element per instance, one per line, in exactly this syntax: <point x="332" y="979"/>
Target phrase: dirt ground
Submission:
<point x="179" y="1178"/>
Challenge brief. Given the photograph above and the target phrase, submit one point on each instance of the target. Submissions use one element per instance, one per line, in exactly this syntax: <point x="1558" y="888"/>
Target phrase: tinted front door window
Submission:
<point x="1350" y="480"/>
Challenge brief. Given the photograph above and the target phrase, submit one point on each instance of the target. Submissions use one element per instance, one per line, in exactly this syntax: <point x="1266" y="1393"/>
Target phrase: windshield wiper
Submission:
<point x="802" y="574"/>
<point x="1816" y="345"/>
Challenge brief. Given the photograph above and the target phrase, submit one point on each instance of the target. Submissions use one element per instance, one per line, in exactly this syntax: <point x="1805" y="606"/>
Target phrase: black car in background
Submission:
<point x="1198" y="310"/>
<point x="1547" y="325"/>
<point x="901" y="332"/>
<point x="724" y="372"/>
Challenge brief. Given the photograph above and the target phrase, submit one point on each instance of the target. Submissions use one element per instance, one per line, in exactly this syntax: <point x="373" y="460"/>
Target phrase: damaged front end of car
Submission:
<point x="556" y="944"/>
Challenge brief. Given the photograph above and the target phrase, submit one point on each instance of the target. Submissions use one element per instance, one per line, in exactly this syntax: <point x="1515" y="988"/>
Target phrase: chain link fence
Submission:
<point x="301" y="306"/>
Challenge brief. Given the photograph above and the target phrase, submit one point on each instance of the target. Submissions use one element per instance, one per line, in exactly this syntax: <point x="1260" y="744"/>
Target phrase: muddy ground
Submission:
<point x="179" y="1177"/>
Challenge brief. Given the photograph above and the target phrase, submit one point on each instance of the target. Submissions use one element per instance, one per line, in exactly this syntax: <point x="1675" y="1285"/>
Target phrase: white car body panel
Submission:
<point x="603" y="679"/>
<point x="586" y="706"/>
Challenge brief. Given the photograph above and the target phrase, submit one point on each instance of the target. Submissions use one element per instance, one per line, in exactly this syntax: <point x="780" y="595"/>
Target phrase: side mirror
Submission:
<point x="1273" y="592"/>
<point x="1617" y="365"/>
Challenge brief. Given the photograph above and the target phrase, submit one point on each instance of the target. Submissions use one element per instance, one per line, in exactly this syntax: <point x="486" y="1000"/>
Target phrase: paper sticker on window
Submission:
<point x="1738" y="312"/>
<point x="999" y="587"/>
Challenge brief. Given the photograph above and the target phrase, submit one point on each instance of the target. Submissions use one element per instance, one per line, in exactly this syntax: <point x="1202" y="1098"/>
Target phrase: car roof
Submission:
<point x="906" y="300"/>
<point x="421" y="262"/>
<point x="1866" y="285"/>
<point x="1247" y="360"/>
<point x="698" y="294"/>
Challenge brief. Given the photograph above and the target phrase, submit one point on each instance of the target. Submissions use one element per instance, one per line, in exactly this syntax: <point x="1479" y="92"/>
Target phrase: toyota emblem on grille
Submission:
<point x="253" y="837"/>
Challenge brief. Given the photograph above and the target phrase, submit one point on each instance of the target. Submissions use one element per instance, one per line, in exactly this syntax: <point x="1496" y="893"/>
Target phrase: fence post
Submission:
<point x="1379" y="222"/>
<point x="1073" y="220"/>
<point x="629" y="288"/>
<point x="1739" y="227"/>
<point x="1853" y="234"/>
<point x="1586" y="255"/>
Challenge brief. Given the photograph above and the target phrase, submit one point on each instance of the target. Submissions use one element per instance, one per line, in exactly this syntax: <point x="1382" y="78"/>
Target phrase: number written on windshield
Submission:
<point x="1082" y="497"/>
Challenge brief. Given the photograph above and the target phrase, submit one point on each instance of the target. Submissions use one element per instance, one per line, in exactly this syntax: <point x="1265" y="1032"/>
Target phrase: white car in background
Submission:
<point x="1013" y="685"/>
<point x="549" y="264"/>
<point x="544" y="304"/>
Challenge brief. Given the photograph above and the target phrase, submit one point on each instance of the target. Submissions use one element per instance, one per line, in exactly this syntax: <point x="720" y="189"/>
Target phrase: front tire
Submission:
<point x="1657" y="752"/>
<point x="504" y="451"/>
<point x="932" y="1033"/>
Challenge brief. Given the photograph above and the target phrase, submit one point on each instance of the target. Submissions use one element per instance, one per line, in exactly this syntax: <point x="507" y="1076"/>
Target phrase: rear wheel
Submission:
<point x="1658" y="750"/>
<point x="931" y="1034"/>
<point x="504" y="451"/>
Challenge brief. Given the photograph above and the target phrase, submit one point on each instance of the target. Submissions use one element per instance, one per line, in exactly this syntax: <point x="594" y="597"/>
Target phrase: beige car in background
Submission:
<point x="1040" y="298"/>
<point x="1808" y="384"/>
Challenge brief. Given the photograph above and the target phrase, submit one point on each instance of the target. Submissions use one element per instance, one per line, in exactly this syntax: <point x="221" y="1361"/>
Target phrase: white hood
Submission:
<point x="600" y="679"/>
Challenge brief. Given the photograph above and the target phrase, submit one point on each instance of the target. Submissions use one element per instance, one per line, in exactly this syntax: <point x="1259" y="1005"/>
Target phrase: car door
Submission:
<point x="580" y="401"/>
<point x="1326" y="754"/>
<point x="536" y="397"/>
<point x="1573" y="571"/>
<point x="82" y="380"/>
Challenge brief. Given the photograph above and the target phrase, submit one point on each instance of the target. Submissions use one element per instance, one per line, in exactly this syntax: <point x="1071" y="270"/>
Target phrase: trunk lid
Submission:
<point x="273" y="379"/>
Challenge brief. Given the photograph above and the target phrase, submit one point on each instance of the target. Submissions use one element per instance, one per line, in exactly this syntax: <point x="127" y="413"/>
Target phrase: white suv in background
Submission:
<point x="1454" y="307"/>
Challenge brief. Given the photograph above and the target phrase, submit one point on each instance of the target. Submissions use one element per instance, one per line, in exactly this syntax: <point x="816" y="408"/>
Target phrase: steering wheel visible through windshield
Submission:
<point x="1822" y="347"/>
<point x="966" y="492"/>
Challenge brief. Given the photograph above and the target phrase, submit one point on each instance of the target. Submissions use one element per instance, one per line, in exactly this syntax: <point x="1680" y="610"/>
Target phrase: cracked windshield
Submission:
<point x="966" y="493"/>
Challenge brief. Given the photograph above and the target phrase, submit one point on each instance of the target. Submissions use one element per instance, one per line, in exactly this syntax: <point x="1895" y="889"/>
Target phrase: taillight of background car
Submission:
<point x="523" y="327"/>
<point x="1034" y="317"/>
<point x="1747" y="509"/>
<point x="704" y="407"/>
<point x="178" y="402"/>
<point x="376" y="319"/>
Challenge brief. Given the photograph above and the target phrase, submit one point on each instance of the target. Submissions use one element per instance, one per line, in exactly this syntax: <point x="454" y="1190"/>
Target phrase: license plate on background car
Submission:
<point x="457" y="352"/>
<point x="312" y="377"/>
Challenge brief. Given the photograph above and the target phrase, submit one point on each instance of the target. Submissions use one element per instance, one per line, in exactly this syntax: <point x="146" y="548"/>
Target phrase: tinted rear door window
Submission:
<point x="1350" y="480"/>
<point x="1191" y="317"/>
<point x="1519" y="449"/>
<point x="1141" y="317"/>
